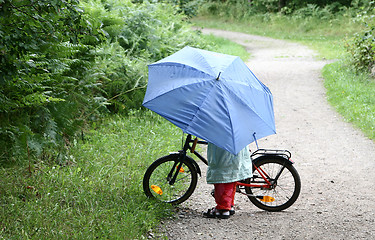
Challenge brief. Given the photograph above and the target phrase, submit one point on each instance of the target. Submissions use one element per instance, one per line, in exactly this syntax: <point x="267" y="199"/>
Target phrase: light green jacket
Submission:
<point x="224" y="167"/>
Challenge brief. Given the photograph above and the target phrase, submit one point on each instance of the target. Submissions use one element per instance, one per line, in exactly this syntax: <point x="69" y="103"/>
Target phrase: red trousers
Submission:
<point x="224" y="195"/>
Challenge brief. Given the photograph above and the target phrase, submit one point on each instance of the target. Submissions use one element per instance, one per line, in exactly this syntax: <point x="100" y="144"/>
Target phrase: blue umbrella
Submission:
<point x="212" y="96"/>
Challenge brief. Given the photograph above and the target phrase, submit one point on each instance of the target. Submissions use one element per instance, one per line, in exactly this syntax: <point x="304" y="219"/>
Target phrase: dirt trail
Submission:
<point x="336" y="162"/>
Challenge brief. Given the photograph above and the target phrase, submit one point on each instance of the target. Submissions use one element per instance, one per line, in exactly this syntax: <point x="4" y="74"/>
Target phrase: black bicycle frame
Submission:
<point x="281" y="154"/>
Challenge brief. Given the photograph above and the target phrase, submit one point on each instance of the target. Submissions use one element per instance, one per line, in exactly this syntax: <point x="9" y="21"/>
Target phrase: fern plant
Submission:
<point x="137" y="35"/>
<point x="63" y="63"/>
<point x="45" y="49"/>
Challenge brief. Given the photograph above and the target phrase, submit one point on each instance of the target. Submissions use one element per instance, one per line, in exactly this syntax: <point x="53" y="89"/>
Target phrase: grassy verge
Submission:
<point x="352" y="94"/>
<point x="326" y="37"/>
<point x="98" y="193"/>
<point x="222" y="45"/>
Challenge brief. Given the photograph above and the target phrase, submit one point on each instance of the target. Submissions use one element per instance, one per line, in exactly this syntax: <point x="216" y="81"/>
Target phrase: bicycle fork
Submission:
<point x="177" y="167"/>
<point x="178" y="164"/>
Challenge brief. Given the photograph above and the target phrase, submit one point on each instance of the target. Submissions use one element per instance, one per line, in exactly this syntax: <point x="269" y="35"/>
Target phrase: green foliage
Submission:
<point x="187" y="7"/>
<point x="64" y="63"/>
<point x="98" y="192"/>
<point x="328" y="5"/>
<point x="138" y="34"/>
<point x="239" y="9"/>
<point x="314" y="11"/>
<point x="43" y="57"/>
<point x="264" y="6"/>
<point x="318" y="26"/>
<point x="362" y="46"/>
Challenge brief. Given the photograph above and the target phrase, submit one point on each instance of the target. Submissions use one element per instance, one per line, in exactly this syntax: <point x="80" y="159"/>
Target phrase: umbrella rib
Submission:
<point x="199" y="107"/>
<point x="180" y="65"/>
<point x="230" y="119"/>
<point x="170" y="90"/>
<point x="240" y="100"/>
<point x="204" y="59"/>
<point x="226" y="109"/>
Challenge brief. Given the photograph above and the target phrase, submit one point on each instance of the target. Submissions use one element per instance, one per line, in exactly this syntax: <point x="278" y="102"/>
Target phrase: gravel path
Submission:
<point x="336" y="162"/>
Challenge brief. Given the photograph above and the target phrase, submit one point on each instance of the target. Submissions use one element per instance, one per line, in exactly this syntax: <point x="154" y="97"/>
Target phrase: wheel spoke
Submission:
<point x="285" y="190"/>
<point x="157" y="174"/>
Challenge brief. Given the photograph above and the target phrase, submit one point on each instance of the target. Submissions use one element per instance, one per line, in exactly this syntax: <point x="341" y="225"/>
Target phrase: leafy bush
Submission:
<point x="362" y="46"/>
<point x="187" y="7"/>
<point x="238" y="9"/>
<point x="43" y="57"/>
<point x="314" y="11"/>
<point x="138" y="34"/>
<point x="64" y="62"/>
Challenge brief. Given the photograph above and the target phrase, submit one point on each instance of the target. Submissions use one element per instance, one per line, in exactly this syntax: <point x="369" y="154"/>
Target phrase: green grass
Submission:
<point x="222" y="45"/>
<point x="327" y="37"/>
<point x="352" y="94"/>
<point x="97" y="193"/>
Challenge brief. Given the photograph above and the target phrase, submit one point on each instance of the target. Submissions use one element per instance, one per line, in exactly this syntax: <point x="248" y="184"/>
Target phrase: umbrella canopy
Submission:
<point x="212" y="96"/>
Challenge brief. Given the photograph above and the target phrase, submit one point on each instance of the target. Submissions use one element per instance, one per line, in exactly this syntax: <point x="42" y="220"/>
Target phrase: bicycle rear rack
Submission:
<point x="272" y="152"/>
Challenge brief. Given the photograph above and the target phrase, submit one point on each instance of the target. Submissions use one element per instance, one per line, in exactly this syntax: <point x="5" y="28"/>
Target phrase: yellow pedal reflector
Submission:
<point x="181" y="169"/>
<point x="267" y="199"/>
<point x="157" y="189"/>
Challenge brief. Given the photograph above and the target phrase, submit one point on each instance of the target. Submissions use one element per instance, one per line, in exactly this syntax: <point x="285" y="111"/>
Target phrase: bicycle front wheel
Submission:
<point x="285" y="184"/>
<point x="158" y="180"/>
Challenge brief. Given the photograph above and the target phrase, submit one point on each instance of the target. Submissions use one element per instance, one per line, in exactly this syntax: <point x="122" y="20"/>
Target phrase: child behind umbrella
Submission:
<point x="224" y="170"/>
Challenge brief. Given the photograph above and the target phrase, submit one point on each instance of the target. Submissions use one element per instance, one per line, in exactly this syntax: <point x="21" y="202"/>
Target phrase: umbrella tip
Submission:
<point x="218" y="76"/>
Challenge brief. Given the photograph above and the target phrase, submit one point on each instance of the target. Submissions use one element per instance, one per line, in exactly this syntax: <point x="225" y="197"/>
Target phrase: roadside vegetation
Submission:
<point x="97" y="193"/>
<point x="74" y="61"/>
<point x="74" y="140"/>
<point x="74" y="143"/>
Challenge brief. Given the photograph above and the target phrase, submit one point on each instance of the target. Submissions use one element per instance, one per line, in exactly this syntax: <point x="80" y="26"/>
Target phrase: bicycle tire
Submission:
<point x="285" y="191"/>
<point x="157" y="175"/>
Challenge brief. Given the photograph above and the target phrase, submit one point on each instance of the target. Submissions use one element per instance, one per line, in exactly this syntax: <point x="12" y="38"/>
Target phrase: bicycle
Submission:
<point x="274" y="186"/>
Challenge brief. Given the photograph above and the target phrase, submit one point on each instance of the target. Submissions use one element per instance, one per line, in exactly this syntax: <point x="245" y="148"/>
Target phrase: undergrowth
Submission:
<point x="98" y="193"/>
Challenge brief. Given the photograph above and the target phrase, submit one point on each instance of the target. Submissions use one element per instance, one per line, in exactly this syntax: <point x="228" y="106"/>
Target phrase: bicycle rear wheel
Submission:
<point x="157" y="179"/>
<point x="283" y="192"/>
